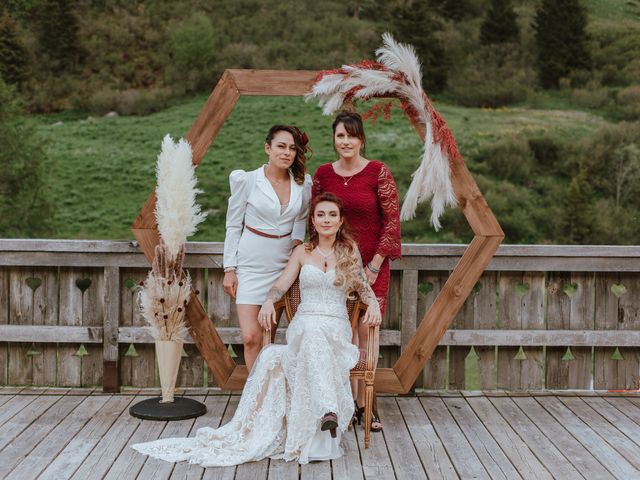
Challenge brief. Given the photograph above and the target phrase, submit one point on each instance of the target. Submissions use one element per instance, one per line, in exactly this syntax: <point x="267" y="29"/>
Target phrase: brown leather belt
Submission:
<point x="266" y="235"/>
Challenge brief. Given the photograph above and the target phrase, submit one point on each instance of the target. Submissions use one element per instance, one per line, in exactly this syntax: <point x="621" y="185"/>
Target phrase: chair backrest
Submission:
<point x="291" y="300"/>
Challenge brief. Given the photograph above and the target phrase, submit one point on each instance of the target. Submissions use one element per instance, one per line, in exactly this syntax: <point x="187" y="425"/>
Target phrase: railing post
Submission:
<point x="111" y="378"/>
<point x="409" y="308"/>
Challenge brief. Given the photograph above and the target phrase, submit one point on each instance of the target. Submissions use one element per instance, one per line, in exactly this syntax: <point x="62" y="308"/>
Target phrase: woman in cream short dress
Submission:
<point x="266" y="218"/>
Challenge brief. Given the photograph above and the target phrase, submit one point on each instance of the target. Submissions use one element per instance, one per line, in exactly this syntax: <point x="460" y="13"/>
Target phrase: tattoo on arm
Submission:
<point x="275" y="294"/>
<point x="366" y="293"/>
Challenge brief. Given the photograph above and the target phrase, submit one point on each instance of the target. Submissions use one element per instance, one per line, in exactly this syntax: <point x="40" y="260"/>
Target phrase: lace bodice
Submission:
<point x="318" y="294"/>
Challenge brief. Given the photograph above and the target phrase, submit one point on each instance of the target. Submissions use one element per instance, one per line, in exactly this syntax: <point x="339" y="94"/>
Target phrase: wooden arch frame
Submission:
<point x="487" y="237"/>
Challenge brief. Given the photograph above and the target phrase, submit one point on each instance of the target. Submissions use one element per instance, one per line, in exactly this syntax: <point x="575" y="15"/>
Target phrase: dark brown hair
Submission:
<point x="352" y="122"/>
<point x="299" y="165"/>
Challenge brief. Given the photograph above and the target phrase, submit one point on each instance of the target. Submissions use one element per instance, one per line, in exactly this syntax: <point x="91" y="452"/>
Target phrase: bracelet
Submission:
<point x="230" y="269"/>
<point x="372" y="268"/>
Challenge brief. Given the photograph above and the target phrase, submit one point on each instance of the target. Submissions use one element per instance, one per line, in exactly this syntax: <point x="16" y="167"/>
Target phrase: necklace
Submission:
<point x="324" y="256"/>
<point x="345" y="180"/>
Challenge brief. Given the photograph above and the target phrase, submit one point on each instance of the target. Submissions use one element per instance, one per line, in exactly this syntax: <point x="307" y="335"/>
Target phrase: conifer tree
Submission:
<point x="25" y="205"/>
<point x="561" y="37"/>
<point x="415" y="23"/>
<point x="454" y="10"/>
<point x="13" y="54"/>
<point x="57" y="32"/>
<point x="577" y="209"/>
<point x="500" y="25"/>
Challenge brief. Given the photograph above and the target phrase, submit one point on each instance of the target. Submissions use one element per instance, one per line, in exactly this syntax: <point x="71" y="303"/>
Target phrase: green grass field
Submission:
<point x="104" y="167"/>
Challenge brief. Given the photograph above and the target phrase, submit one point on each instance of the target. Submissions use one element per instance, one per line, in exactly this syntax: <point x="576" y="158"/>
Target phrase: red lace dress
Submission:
<point x="371" y="208"/>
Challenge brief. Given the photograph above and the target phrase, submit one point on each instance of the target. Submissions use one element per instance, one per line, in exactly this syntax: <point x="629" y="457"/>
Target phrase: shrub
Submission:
<point x="510" y="158"/>
<point x="628" y="101"/>
<point x="494" y="76"/>
<point x="143" y="102"/>
<point x="545" y="151"/>
<point x="193" y="45"/>
<point x="594" y="97"/>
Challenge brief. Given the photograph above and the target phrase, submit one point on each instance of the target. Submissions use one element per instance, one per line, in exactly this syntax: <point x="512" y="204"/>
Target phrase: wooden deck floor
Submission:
<point x="81" y="434"/>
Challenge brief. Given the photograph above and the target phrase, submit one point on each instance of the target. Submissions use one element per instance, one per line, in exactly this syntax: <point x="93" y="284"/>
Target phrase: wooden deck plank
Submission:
<point x="129" y="462"/>
<point x="600" y="449"/>
<point x="630" y="409"/>
<point x="24" y="417"/>
<point x="156" y="469"/>
<point x="464" y="459"/>
<point x="432" y="453"/>
<point x="315" y="471"/>
<point x="489" y="452"/>
<point x="405" y="459"/>
<point x="281" y="470"/>
<point x="523" y="459"/>
<point x="14" y="406"/>
<point x="5" y="398"/>
<point x="376" y="463"/>
<point x="109" y="447"/>
<point x="347" y="467"/>
<point x="537" y="442"/>
<point x="602" y="427"/>
<point x="77" y="450"/>
<point x="58" y="438"/>
<point x="216" y="405"/>
<point x="615" y="417"/>
<point x="224" y="473"/>
<point x="30" y="437"/>
<point x="570" y="447"/>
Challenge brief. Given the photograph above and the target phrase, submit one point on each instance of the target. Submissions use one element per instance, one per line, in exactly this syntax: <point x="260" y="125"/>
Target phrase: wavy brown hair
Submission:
<point x="348" y="262"/>
<point x="299" y="166"/>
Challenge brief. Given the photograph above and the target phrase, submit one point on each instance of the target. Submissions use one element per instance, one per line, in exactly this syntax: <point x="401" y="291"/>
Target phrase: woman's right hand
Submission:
<point x="230" y="283"/>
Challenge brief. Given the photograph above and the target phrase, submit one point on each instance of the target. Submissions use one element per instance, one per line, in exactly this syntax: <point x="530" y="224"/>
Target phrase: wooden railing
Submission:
<point x="554" y="317"/>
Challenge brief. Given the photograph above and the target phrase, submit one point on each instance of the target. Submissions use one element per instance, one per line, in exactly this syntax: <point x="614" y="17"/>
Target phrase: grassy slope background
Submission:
<point x="104" y="167"/>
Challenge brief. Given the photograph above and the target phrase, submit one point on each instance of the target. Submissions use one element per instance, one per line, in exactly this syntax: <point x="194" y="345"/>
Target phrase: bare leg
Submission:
<point x="251" y="332"/>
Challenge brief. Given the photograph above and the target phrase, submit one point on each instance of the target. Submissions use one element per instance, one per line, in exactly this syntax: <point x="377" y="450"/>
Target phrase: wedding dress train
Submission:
<point x="287" y="392"/>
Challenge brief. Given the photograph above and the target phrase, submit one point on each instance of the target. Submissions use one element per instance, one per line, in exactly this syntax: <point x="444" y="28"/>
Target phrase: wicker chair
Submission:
<point x="355" y="308"/>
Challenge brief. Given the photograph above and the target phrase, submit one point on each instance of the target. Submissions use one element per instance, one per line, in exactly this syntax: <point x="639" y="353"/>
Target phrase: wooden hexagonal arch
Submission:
<point x="487" y="237"/>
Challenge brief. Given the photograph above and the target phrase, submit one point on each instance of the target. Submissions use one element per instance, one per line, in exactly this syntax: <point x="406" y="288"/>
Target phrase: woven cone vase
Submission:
<point x="169" y="354"/>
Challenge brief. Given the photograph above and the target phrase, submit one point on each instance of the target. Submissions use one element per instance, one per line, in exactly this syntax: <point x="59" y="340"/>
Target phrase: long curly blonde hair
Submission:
<point x="349" y="273"/>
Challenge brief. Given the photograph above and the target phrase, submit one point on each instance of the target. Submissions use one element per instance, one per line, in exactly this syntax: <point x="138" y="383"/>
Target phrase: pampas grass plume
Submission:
<point x="177" y="212"/>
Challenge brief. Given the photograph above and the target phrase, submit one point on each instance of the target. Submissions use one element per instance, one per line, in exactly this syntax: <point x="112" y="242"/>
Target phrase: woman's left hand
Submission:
<point x="371" y="277"/>
<point x="372" y="316"/>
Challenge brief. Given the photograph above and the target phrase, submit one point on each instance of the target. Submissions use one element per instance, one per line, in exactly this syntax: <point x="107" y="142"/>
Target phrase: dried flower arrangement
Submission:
<point x="164" y="295"/>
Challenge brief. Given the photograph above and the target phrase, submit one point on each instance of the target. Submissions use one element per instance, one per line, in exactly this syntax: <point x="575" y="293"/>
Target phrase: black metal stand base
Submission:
<point x="180" y="409"/>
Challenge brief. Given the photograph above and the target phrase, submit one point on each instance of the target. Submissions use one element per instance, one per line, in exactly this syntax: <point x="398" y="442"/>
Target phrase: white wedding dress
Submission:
<point x="287" y="392"/>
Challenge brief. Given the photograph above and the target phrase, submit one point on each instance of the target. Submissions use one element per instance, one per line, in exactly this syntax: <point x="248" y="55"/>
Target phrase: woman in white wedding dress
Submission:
<point x="297" y="400"/>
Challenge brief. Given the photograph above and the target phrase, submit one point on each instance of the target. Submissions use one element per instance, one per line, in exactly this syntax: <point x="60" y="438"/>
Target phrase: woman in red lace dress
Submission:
<point x="370" y="198"/>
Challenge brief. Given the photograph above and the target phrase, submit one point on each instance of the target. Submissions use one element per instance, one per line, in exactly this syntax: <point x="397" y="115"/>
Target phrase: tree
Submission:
<point x="414" y="22"/>
<point x="25" y="206"/>
<point x="561" y="38"/>
<point x="57" y="33"/>
<point x="577" y="209"/>
<point x="13" y="54"/>
<point x="500" y="25"/>
<point x="455" y="10"/>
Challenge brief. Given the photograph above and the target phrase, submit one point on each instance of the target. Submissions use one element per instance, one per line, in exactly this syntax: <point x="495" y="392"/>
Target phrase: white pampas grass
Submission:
<point x="177" y="212"/>
<point x="432" y="179"/>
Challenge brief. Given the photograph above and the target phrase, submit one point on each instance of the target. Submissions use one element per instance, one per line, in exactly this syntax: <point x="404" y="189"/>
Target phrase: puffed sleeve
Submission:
<point x="299" y="226"/>
<point x="235" y="216"/>
<point x="389" y="244"/>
